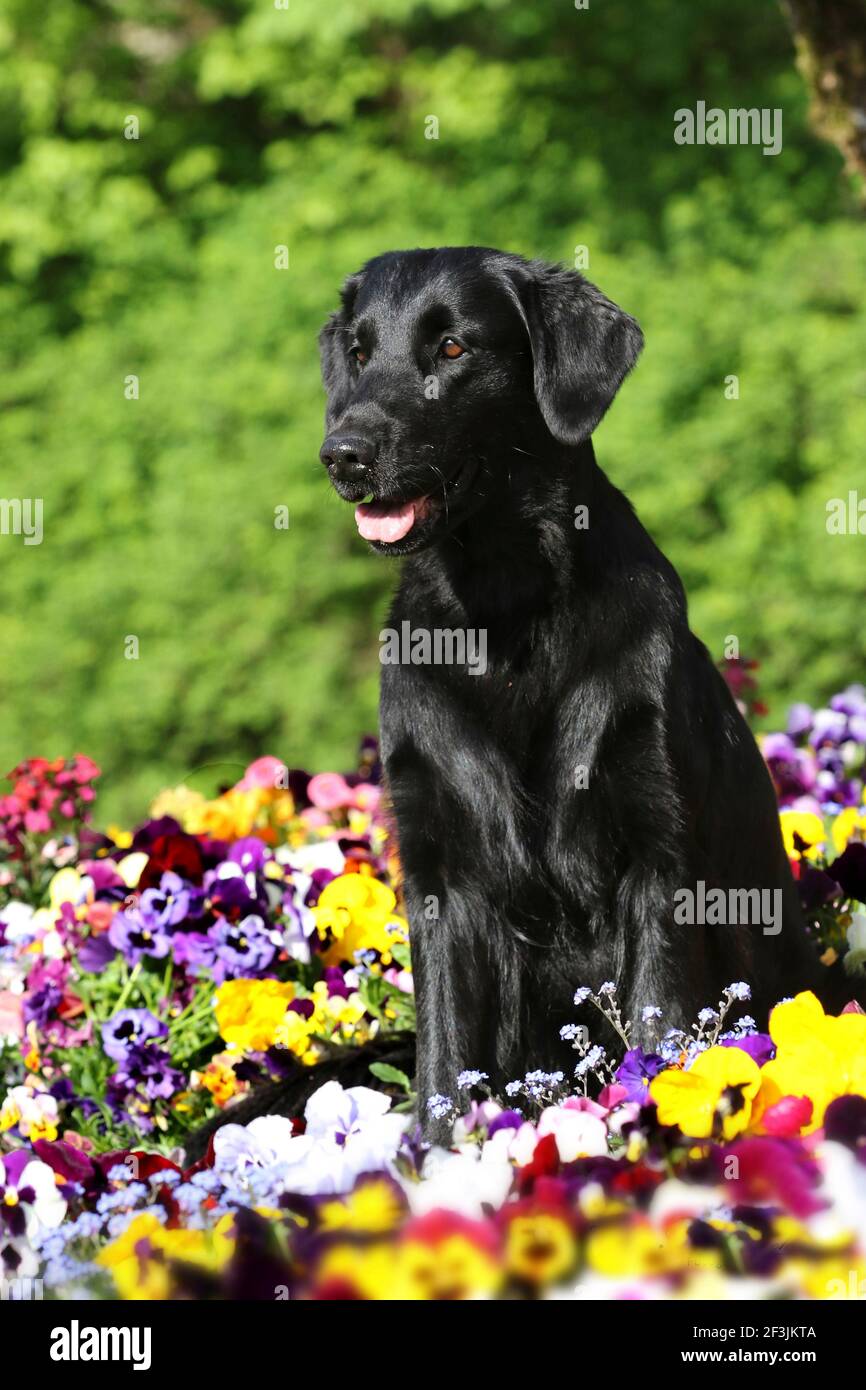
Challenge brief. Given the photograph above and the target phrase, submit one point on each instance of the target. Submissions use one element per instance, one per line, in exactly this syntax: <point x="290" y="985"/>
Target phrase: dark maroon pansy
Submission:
<point x="174" y="852"/>
<point x="845" y="1122"/>
<point x="849" y="870"/>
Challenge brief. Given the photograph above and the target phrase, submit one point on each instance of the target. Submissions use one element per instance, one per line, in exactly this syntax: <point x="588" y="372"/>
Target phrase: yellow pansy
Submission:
<point x="675" y="1255"/>
<point x="371" y="1271"/>
<point x="357" y="910"/>
<point x="229" y="817"/>
<point x="454" y="1268"/>
<point x="848" y="825"/>
<point x="817" y="1055"/>
<point x="803" y="833"/>
<point x="131" y="867"/>
<point x="540" y="1248"/>
<point x="138" y="1258"/>
<point x="374" y="1208"/>
<point x="295" y="1032"/>
<point x="248" y="1012"/>
<point x="336" y="1010"/>
<point x="714" y="1097"/>
<point x="624" y="1249"/>
<point x="181" y="803"/>
<point x="65" y="887"/>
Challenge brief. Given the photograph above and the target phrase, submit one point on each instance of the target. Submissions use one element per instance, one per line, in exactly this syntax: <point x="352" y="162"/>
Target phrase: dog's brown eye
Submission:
<point x="359" y="356"/>
<point x="450" y="348"/>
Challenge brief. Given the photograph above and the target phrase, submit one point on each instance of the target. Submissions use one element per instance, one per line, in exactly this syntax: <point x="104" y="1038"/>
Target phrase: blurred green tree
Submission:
<point x="159" y="369"/>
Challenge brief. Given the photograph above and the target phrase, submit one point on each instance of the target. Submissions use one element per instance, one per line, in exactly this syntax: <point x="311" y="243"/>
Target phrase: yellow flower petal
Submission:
<point x="65" y="887"/>
<point x="802" y="828"/>
<point x="131" y="868"/>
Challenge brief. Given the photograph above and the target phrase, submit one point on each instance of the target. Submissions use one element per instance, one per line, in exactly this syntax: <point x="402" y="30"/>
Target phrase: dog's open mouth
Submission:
<point x="390" y="521"/>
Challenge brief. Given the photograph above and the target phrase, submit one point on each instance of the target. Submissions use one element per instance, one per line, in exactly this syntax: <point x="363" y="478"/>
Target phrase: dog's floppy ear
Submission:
<point x="583" y="345"/>
<point x="336" y="374"/>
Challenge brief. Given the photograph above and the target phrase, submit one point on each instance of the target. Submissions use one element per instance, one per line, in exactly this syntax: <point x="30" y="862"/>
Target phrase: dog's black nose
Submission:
<point x="348" y="456"/>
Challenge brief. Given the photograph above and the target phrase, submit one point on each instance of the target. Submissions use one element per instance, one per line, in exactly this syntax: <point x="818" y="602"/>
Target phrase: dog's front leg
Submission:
<point x="462" y="855"/>
<point x="454" y="995"/>
<point x="459" y="975"/>
<point x="620" y="834"/>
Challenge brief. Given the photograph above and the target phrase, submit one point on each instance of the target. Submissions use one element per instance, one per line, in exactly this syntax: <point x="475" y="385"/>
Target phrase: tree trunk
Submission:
<point x="830" y="38"/>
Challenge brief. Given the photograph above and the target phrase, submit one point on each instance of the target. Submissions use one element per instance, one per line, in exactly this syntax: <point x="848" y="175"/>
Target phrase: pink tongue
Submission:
<point x="376" y="521"/>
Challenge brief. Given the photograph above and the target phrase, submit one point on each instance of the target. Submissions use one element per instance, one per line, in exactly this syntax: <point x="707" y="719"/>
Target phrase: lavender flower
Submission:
<point x="594" y="1058"/>
<point x="467" y="1079"/>
<point x="739" y="991"/>
<point x="439" y="1107"/>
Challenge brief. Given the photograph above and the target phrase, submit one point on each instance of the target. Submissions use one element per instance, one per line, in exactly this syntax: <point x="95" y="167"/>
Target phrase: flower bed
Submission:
<point x="151" y="979"/>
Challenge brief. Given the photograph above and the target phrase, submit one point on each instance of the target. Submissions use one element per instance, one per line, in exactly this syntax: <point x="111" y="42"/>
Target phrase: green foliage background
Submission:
<point x="305" y="127"/>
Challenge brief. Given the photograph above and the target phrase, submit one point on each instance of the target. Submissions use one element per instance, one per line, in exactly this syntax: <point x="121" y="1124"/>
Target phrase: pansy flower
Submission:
<point x="714" y="1097"/>
<point x="356" y="912"/>
<point x="128" y="1027"/>
<point x="540" y="1245"/>
<point x="636" y="1071"/>
<point x="817" y="1056"/>
<point x="248" y="1012"/>
<point x="30" y="1202"/>
<point x="241" y="948"/>
<point x="168" y="904"/>
<point x="444" y="1256"/>
<point x="31" y="1111"/>
<point x="136" y="938"/>
<point x="803" y="833"/>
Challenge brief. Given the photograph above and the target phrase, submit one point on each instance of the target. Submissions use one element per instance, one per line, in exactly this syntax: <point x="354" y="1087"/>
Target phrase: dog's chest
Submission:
<point x="514" y="701"/>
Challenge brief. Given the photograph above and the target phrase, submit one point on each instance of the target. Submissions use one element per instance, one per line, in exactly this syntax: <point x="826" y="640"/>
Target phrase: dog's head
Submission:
<point x="441" y="365"/>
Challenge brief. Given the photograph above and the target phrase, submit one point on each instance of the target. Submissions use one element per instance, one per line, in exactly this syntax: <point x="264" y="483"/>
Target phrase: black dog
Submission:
<point x="553" y="799"/>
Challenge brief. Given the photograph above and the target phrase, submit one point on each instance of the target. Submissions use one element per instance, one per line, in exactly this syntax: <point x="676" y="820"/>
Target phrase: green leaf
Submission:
<point x="392" y="1075"/>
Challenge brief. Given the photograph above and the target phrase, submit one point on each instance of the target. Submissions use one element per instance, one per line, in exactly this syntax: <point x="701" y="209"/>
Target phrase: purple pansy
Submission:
<point x="250" y="853"/>
<point x="231" y="893"/>
<point x="96" y="952"/>
<point x="144" y="1075"/>
<point x="129" y="1027"/>
<point x="636" y="1071"/>
<point x="166" y="905"/>
<point x="760" y="1046"/>
<point x="136" y="938"/>
<point x="242" y="948"/>
<point x="799" y="719"/>
<point x="41" y="1004"/>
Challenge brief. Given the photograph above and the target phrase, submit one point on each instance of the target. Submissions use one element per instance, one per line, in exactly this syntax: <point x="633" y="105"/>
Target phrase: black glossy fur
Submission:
<point x="542" y="885"/>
